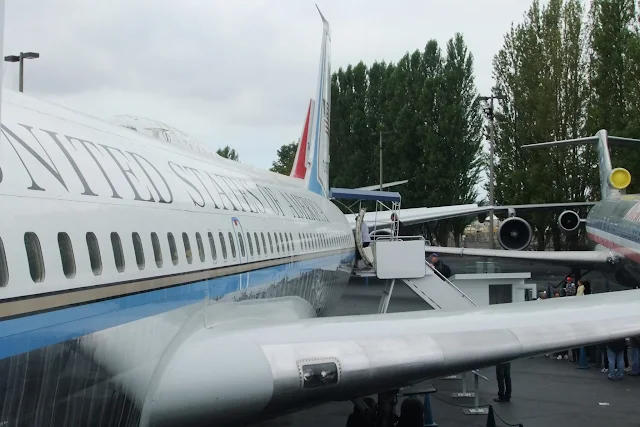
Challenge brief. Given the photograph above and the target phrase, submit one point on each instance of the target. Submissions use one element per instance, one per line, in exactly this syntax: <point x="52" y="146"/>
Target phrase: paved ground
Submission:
<point x="546" y="393"/>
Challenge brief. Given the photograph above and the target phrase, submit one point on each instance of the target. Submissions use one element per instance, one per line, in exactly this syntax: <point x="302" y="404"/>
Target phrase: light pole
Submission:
<point x="380" y="132"/>
<point x="20" y="58"/>
<point x="492" y="135"/>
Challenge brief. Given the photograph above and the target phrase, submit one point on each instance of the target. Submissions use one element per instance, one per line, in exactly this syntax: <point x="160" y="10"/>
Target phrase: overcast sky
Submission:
<point x="227" y="72"/>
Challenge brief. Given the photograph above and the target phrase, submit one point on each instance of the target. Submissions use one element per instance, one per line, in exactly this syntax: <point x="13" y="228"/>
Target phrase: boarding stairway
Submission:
<point x="438" y="291"/>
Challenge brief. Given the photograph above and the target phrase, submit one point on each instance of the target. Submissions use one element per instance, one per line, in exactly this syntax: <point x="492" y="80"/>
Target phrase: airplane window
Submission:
<point x="293" y="248"/>
<point x="214" y="255"/>
<point x="157" y="252"/>
<point x="233" y="245"/>
<point x="118" y="255"/>
<point x="34" y="256"/>
<point x="270" y="242"/>
<point x="4" y="268"/>
<point x="66" y="255"/>
<point x="275" y="237"/>
<point x="255" y="236"/>
<point x="223" y="245"/>
<point x="137" y="248"/>
<point x="172" y="248"/>
<point x="94" y="254"/>
<point x="200" y="247"/>
<point x="287" y="239"/>
<point x="249" y="243"/>
<point x="187" y="247"/>
<point x="264" y="243"/>
<point x="241" y="243"/>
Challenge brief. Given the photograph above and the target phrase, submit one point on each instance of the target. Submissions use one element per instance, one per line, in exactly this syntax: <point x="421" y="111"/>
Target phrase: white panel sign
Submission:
<point x="400" y="260"/>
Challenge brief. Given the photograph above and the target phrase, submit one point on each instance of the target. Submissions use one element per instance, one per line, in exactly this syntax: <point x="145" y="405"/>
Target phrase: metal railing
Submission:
<point x="449" y="282"/>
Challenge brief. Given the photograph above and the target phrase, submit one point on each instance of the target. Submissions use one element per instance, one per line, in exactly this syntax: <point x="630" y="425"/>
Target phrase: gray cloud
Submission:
<point x="227" y="72"/>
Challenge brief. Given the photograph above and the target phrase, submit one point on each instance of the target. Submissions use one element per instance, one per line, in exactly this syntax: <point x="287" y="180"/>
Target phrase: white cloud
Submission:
<point x="227" y="72"/>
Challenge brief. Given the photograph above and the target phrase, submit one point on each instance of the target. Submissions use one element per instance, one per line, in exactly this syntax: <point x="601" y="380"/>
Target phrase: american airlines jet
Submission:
<point x="146" y="281"/>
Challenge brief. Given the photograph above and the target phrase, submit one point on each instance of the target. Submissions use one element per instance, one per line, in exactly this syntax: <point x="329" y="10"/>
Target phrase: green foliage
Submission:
<point x="286" y="156"/>
<point x="541" y="71"/>
<point x="228" y="153"/>
<point x="424" y="107"/>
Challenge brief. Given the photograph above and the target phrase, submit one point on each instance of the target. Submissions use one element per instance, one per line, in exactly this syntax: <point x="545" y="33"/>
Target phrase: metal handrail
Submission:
<point x="449" y="282"/>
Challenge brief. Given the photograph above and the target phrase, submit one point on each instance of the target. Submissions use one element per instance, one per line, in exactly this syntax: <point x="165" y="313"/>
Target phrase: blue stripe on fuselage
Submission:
<point x="30" y="332"/>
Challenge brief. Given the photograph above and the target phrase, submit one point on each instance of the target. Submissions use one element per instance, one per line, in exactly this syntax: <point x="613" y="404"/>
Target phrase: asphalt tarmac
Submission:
<point x="546" y="392"/>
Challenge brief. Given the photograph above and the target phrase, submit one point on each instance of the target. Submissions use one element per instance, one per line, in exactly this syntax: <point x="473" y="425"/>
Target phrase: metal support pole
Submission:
<point x="491" y="173"/>
<point x="21" y="84"/>
<point x="380" y="160"/>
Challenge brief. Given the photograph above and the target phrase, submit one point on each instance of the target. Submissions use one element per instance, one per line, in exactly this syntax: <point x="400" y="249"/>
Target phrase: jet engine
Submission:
<point x="569" y="221"/>
<point x="514" y="234"/>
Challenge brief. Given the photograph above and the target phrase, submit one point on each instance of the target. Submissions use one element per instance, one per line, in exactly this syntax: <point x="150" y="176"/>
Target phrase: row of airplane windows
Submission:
<point x="285" y="245"/>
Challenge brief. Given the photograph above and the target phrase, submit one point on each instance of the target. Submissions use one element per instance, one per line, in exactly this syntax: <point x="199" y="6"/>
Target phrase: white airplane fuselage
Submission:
<point x="112" y="240"/>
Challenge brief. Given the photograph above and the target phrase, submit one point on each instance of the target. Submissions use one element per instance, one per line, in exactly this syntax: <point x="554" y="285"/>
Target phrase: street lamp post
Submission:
<point x="492" y="135"/>
<point x="20" y="58"/>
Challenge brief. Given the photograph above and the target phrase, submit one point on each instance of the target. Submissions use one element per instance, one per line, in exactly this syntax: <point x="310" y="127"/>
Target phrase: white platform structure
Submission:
<point x="496" y="288"/>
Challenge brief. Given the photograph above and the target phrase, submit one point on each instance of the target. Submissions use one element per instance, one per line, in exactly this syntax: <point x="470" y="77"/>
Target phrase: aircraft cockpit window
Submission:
<point x="66" y="255"/>
<point x="172" y="248"/>
<point x="223" y="245"/>
<point x="139" y="251"/>
<point x="118" y="255"/>
<point x="270" y="242"/>
<point x="4" y="268"/>
<point x="232" y="245"/>
<point x="264" y="243"/>
<point x="287" y="239"/>
<point x="157" y="252"/>
<point x="34" y="256"/>
<point x="275" y="236"/>
<point x="249" y="243"/>
<point x="187" y="248"/>
<point x="255" y="236"/>
<point x="200" y="247"/>
<point x="212" y="243"/>
<point x="94" y="254"/>
<point x="241" y="243"/>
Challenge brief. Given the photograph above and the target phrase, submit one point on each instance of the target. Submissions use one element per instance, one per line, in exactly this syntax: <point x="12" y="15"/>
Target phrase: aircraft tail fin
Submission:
<point x="317" y="159"/>
<point x="299" y="168"/>
<point x="612" y="181"/>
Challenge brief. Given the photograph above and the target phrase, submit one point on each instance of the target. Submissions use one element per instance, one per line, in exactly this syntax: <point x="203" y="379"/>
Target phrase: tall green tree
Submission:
<point x="614" y="70"/>
<point x="460" y="126"/>
<point x="286" y="155"/>
<point x="228" y="153"/>
<point x="541" y="73"/>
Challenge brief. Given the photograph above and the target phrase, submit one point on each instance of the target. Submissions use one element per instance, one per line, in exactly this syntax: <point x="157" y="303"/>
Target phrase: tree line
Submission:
<point x="565" y="71"/>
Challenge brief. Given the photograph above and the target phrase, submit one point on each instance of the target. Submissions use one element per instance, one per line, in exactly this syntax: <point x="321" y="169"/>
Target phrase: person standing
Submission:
<point x="615" y="354"/>
<point x="503" y="375"/>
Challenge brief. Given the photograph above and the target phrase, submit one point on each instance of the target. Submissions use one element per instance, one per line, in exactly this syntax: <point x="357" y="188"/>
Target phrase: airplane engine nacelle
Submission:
<point x="514" y="234"/>
<point x="569" y="222"/>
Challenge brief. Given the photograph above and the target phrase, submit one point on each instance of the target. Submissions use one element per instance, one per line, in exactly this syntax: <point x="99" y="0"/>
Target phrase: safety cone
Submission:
<point x="582" y="361"/>
<point x="428" y="415"/>
<point x="491" y="421"/>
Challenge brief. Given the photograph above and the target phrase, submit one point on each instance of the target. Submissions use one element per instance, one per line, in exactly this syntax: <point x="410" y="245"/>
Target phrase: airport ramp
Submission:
<point x="439" y="292"/>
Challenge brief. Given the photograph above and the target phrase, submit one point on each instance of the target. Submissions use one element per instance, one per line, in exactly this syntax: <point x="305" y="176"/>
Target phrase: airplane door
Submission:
<point x="241" y="244"/>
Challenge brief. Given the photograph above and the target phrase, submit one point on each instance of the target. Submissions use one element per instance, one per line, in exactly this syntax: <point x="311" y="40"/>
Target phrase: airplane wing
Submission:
<point x="382" y="219"/>
<point x="578" y="259"/>
<point x="223" y="373"/>
<point x="385" y="185"/>
<point x="419" y="215"/>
